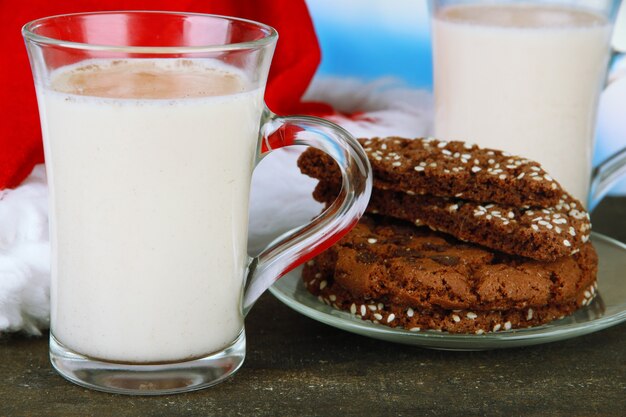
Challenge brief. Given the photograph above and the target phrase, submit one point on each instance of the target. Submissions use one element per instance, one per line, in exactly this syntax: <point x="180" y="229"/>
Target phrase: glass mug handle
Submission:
<point x="605" y="175"/>
<point x="305" y="242"/>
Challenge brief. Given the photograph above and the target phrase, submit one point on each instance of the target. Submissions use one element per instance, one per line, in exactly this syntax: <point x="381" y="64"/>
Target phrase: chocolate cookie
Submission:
<point x="414" y="277"/>
<point x="447" y="169"/>
<point x="541" y="234"/>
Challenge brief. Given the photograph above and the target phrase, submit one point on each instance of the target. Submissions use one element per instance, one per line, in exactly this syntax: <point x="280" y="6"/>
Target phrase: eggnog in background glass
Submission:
<point x="150" y="143"/>
<point x="524" y="77"/>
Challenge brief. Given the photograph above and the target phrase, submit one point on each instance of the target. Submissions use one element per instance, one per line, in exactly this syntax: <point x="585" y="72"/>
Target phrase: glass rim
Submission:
<point x="30" y="35"/>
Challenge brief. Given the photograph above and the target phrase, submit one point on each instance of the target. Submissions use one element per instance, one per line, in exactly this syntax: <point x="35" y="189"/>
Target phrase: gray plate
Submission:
<point x="607" y="309"/>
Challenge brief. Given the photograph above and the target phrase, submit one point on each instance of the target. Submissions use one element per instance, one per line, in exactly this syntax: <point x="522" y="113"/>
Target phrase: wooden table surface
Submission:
<point x="298" y="367"/>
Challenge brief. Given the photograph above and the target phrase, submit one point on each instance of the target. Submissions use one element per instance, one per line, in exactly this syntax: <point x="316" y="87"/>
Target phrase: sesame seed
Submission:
<point x="475" y="169"/>
<point x="353" y="309"/>
<point x="414" y="329"/>
<point x="471" y="315"/>
<point x="520" y="176"/>
<point x="383" y="146"/>
<point x="409" y="192"/>
<point x="310" y="263"/>
<point x="371" y="240"/>
<point x="480" y="331"/>
<point x="419" y="168"/>
<point x="497" y="327"/>
<point x="587" y="294"/>
<point x="442" y="144"/>
<point x="391" y="317"/>
<point x="453" y="207"/>
<point x="510" y="215"/>
<point x="492" y="161"/>
<point x="311" y="282"/>
<point x="529" y="314"/>
<point x="377" y="316"/>
<point x="372" y="307"/>
<point x="558" y="229"/>
<point x="572" y="231"/>
<point x="456" y="318"/>
<point x="410" y="312"/>
<point x="418" y="222"/>
<point x="323" y="284"/>
<point x="502" y="176"/>
<point x="446" y="152"/>
<point x="507" y="325"/>
<point x="381" y="306"/>
<point x="534" y="227"/>
<point x="567" y="243"/>
<point x="584" y="302"/>
<point x="363" y="310"/>
<point x="397" y="164"/>
<point x="332" y="297"/>
<point x="318" y="275"/>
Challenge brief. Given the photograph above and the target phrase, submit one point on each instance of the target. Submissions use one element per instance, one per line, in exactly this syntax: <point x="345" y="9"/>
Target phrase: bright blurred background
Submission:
<point x="370" y="39"/>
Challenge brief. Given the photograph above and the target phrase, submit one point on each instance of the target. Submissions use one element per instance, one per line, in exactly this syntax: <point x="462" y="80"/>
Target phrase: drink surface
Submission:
<point x="149" y="163"/>
<point x="149" y="79"/>
<point x="522" y="78"/>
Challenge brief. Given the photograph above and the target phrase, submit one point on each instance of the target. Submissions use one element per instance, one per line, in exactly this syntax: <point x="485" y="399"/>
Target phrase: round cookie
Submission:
<point x="543" y="234"/>
<point x="447" y="284"/>
<point x="446" y="169"/>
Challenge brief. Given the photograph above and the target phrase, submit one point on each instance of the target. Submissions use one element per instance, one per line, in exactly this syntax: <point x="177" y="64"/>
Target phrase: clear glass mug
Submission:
<point x="152" y="124"/>
<point x="526" y="77"/>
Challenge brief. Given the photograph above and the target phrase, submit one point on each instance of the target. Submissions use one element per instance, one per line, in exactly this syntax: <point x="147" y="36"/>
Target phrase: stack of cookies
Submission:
<point x="457" y="238"/>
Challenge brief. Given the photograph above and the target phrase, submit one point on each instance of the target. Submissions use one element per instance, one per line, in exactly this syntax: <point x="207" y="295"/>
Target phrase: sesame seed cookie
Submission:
<point x="544" y="234"/>
<point x="447" y="169"/>
<point x="413" y="277"/>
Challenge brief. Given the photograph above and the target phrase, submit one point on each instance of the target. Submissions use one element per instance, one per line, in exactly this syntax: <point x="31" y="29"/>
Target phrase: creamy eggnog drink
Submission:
<point x="523" y="78"/>
<point x="151" y="163"/>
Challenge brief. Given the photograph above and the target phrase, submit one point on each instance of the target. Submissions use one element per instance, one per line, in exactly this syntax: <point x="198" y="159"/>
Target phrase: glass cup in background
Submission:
<point x="526" y="77"/>
<point x="152" y="124"/>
